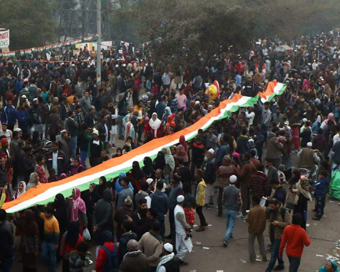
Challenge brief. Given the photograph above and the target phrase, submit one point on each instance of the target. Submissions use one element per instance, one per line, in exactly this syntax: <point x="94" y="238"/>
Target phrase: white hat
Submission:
<point x="149" y="181"/>
<point x="17" y="129"/>
<point x="309" y="144"/>
<point x="24" y="96"/>
<point x="168" y="247"/>
<point x="63" y="131"/>
<point x="35" y="99"/>
<point x="211" y="151"/>
<point x="180" y="199"/>
<point x="95" y="132"/>
<point x="197" y="102"/>
<point x="304" y="120"/>
<point x="233" y="179"/>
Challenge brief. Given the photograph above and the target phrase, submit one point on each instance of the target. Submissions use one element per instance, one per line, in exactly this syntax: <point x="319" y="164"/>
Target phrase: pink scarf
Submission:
<point x="77" y="204"/>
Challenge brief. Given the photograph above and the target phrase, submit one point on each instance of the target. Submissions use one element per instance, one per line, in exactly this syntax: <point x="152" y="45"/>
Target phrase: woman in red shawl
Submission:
<point x="181" y="153"/>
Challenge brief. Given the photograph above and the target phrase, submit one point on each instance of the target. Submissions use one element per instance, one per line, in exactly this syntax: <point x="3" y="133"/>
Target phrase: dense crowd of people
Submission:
<point x="57" y="122"/>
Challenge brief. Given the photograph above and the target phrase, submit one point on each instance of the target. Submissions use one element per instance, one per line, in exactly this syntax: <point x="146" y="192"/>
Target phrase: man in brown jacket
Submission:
<point x="151" y="245"/>
<point x="248" y="169"/>
<point x="279" y="218"/>
<point x="274" y="148"/>
<point x="134" y="260"/>
<point x="257" y="224"/>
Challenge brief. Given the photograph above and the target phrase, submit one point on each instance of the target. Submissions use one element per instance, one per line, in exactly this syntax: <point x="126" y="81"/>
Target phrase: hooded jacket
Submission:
<point x="103" y="214"/>
<point x="323" y="269"/>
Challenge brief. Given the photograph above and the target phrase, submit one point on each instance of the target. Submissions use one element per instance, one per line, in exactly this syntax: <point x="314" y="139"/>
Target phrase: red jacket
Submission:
<point x="102" y="256"/>
<point x="296" y="238"/>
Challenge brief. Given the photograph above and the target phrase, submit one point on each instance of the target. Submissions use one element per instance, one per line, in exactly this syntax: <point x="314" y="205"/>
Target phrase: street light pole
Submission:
<point x="99" y="40"/>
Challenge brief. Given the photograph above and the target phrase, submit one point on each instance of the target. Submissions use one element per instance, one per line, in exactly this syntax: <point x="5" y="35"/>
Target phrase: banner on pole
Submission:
<point x="4" y="39"/>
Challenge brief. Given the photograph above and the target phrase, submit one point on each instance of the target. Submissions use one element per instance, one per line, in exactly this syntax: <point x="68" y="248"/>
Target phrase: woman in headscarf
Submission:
<point x="316" y="125"/>
<point x="30" y="241"/>
<point x="304" y="196"/>
<point x="236" y="159"/>
<point x="34" y="181"/>
<point x="159" y="162"/>
<point x="183" y="142"/>
<point x="329" y="117"/>
<point x="156" y="126"/>
<point x="21" y="189"/>
<point x="69" y="242"/>
<point x="78" y="209"/>
<point x="169" y="165"/>
<point x="77" y="166"/>
<point x="165" y="116"/>
<point x="170" y="125"/>
<point x="181" y="153"/>
<point x="60" y="213"/>
<point x="148" y="168"/>
<point x="129" y="129"/>
<point x="91" y="197"/>
<point x="101" y="186"/>
<point x="137" y="176"/>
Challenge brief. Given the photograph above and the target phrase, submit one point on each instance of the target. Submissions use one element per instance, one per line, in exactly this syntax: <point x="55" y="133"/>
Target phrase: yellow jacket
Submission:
<point x="2" y="200"/>
<point x="200" y="194"/>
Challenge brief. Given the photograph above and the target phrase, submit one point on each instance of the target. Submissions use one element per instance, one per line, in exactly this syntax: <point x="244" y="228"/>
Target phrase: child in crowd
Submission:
<point x="321" y="189"/>
<point x="189" y="217"/>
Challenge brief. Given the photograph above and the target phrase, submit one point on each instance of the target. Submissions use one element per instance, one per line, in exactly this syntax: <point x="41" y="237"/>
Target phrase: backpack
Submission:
<point x="112" y="260"/>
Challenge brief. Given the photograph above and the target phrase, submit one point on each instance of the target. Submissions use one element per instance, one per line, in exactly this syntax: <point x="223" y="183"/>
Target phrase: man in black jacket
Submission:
<point x="89" y="119"/>
<point x="103" y="215"/>
<point x="56" y="160"/>
<point x="6" y="242"/>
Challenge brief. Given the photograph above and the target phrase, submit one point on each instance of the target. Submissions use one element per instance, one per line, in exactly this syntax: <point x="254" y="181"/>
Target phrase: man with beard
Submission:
<point x="120" y="216"/>
<point x="209" y="176"/>
<point x="141" y="218"/>
<point x="168" y="262"/>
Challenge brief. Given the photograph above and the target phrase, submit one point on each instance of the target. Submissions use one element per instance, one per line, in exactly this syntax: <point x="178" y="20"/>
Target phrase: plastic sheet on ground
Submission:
<point x="334" y="190"/>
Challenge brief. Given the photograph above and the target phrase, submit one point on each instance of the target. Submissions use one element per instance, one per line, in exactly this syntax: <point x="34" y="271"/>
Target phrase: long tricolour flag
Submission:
<point x="45" y="193"/>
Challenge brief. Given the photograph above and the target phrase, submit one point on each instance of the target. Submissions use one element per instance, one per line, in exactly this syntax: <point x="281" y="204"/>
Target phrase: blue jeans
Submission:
<point x="73" y="146"/>
<point x="320" y="204"/>
<point x="274" y="255"/>
<point x="120" y="126"/>
<point x="294" y="263"/>
<point x="230" y="223"/>
<point x="83" y="157"/>
<point x="49" y="254"/>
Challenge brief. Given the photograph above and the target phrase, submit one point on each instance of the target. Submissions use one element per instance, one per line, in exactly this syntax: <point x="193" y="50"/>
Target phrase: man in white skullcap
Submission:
<point x="168" y="262"/>
<point x="308" y="158"/>
<point x="183" y="246"/>
<point x="232" y="202"/>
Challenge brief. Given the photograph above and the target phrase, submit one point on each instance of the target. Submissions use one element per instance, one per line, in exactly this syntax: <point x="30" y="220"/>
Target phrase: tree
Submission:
<point x="291" y="18"/>
<point x="190" y="32"/>
<point x="30" y="22"/>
